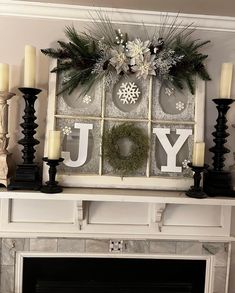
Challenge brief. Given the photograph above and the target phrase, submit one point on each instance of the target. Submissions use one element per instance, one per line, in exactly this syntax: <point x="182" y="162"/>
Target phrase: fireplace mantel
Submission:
<point x="115" y="214"/>
<point x="118" y="195"/>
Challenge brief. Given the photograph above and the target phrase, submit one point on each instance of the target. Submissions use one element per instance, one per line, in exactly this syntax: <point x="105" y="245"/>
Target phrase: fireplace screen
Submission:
<point x="112" y="275"/>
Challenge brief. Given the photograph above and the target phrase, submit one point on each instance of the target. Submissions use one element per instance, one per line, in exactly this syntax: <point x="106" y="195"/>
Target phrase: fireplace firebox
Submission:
<point x="113" y="275"/>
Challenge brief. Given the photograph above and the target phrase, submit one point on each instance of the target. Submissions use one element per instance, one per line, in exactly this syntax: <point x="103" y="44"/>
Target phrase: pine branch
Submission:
<point x="177" y="83"/>
<point x="55" y="53"/>
<point x="62" y="67"/>
<point x="191" y="63"/>
<point x="190" y="81"/>
<point x="202" y="72"/>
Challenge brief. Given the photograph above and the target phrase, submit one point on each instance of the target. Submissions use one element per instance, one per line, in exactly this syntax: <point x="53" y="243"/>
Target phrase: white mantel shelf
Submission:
<point x="118" y="195"/>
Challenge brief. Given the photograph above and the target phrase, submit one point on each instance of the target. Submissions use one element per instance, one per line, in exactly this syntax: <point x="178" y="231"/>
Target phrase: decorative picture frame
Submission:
<point x="184" y="121"/>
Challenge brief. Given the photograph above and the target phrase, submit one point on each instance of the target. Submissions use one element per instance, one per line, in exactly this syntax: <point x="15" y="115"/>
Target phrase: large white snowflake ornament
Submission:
<point x="128" y="93"/>
<point x="66" y="130"/>
<point x="179" y="106"/>
<point x="86" y="99"/>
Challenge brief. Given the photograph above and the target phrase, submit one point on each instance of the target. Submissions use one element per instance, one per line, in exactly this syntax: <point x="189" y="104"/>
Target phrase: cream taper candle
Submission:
<point x="4" y="77"/>
<point x="54" y="142"/>
<point x="226" y="80"/>
<point x="29" y="66"/>
<point x="198" y="154"/>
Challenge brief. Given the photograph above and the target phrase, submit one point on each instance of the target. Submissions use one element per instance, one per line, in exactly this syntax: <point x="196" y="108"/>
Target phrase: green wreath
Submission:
<point x="138" y="154"/>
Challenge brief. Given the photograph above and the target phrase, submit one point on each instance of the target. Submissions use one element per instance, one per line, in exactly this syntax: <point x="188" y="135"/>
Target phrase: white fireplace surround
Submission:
<point x="21" y="255"/>
<point x="146" y="223"/>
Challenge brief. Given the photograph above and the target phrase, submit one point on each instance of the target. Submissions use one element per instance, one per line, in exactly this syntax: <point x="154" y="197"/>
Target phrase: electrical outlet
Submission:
<point x="115" y="245"/>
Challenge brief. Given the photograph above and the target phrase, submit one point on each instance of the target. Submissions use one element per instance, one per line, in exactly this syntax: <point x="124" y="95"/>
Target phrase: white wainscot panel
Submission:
<point x="192" y="215"/>
<point x="117" y="218"/>
<point x="41" y="211"/>
<point x="118" y="213"/>
<point x="39" y="216"/>
<point x="197" y="220"/>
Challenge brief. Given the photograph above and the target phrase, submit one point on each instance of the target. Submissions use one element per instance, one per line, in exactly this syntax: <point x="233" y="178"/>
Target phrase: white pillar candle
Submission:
<point x="29" y="66"/>
<point x="54" y="150"/>
<point x="198" y="154"/>
<point x="226" y="80"/>
<point x="4" y="77"/>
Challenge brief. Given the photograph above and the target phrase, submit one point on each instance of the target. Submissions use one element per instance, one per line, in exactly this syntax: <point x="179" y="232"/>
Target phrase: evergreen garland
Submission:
<point x="77" y="58"/>
<point x="171" y="55"/>
<point x="191" y="65"/>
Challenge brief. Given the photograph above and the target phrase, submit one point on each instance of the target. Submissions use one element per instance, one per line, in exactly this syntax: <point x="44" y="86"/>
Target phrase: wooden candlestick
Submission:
<point x="52" y="185"/>
<point x="27" y="175"/>
<point x="5" y="156"/>
<point x="196" y="190"/>
<point x="216" y="180"/>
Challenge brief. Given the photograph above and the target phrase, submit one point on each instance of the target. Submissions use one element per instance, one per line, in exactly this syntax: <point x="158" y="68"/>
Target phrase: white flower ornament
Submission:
<point x="145" y="66"/>
<point x="66" y="130"/>
<point x="136" y="48"/>
<point x="119" y="60"/>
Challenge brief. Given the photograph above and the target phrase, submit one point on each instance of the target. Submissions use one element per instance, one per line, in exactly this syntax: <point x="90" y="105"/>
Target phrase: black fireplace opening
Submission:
<point x="112" y="275"/>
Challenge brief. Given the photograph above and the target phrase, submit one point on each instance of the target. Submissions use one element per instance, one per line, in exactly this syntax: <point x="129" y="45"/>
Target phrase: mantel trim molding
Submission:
<point x="122" y="16"/>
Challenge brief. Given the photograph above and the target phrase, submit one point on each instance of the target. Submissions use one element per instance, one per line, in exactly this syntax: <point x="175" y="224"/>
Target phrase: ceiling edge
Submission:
<point x="122" y="16"/>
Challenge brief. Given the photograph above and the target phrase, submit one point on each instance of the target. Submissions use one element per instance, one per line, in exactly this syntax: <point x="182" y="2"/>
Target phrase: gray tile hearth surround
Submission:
<point x="9" y="247"/>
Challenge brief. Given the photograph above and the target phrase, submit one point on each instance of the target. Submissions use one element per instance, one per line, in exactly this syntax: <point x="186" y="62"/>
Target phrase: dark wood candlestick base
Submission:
<point x="218" y="183"/>
<point x="52" y="185"/>
<point x="50" y="188"/>
<point x="28" y="175"/>
<point x="196" y="190"/>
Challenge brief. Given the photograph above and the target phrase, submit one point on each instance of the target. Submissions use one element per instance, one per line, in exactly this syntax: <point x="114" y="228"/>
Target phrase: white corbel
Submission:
<point x="157" y="216"/>
<point x="79" y="217"/>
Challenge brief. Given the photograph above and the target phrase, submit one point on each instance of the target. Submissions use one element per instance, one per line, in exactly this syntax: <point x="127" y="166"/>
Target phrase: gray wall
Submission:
<point x="216" y="7"/>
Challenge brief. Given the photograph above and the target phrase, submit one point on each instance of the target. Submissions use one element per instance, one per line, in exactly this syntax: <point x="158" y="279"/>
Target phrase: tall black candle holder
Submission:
<point x="27" y="175"/>
<point x="216" y="180"/>
<point x="196" y="190"/>
<point x="52" y="185"/>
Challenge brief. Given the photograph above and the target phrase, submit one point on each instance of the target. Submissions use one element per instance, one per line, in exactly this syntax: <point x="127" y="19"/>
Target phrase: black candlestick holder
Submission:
<point x="216" y="180"/>
<point x="27" y="175"/>
<point x="52" y="185"/>
<point x="219" y="150"/>
<point x="196" y="190"/>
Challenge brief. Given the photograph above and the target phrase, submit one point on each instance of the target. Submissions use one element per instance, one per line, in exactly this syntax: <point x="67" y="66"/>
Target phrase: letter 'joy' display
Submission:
<point x="126" y="116"/>
<point x="172" y="150"/>
<point x="82" y="147"/>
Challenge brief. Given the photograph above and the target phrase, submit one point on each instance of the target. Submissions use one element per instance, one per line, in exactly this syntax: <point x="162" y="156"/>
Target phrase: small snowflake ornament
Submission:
<point x="169" y="91"/>
<point x="66" y="130"/>
<point x="185" y="164"/>
<point x="179" y="106"/>
<point x="86" y="99"/>
<point x="128" y="93"/>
